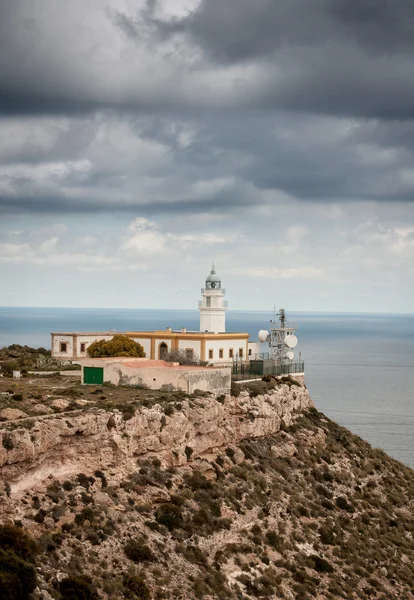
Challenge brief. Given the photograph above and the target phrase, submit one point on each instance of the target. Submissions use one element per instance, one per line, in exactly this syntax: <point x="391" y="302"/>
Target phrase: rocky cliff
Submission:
<point x="173" y="497"/>
<point x="90" y="439"/>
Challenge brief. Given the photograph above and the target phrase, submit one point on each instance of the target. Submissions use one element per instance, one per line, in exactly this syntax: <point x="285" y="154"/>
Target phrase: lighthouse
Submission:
<point x="212" y="306"/>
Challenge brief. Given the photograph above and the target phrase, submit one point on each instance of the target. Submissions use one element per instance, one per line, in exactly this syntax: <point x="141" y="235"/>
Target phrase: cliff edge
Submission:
<point x="131" y="495"/>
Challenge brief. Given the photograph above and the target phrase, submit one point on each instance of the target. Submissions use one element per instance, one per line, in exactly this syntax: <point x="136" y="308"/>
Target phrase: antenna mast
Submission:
<point x="281" y="338"/>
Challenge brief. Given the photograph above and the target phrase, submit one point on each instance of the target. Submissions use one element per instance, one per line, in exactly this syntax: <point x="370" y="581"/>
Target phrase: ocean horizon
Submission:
<point x="359" y="367"/>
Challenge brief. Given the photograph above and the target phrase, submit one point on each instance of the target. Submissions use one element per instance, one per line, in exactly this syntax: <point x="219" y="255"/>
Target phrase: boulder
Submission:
<point x="41" y="409"/>
<point x="10" y="414"/>
<point x="60" y="404"/>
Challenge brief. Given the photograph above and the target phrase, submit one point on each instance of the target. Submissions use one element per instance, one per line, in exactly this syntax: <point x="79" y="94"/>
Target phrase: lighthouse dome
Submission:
<point x="213" y="280"/>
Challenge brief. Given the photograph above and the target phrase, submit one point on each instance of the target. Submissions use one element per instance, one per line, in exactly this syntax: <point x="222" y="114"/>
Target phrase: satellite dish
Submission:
<point x="263" y="335"/>
<point x="290" y="355"/>
<point x="291" y="341"/>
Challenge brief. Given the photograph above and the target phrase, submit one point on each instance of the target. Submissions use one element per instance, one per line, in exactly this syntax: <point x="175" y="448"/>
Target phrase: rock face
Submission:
<point x="64" y="444"/>
<point x="10" y="414"/>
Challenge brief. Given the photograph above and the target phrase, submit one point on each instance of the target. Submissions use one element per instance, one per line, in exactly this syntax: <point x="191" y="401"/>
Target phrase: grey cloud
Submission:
<point x="239" y="30"/>
<point x="265" y="107"/>
<point x="345" y="57"/>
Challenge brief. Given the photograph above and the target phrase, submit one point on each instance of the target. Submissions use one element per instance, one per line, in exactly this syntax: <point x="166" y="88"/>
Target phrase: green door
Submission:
<point x="93" y="375"/>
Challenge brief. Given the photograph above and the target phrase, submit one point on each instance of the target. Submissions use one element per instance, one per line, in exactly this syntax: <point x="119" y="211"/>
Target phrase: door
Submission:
<point x="93" y="375"/>
<point x="162" y="350"/>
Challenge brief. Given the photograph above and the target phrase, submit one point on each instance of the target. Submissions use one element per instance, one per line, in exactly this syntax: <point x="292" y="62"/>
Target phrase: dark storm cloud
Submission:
<point x="345" y="57"/>
<point x="239" y="30"/>
<point x="59" y="204"/>
<point x="236" y="101"/>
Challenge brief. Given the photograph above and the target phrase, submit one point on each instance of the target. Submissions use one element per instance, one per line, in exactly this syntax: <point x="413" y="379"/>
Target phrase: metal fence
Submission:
<point x="258" y="369"/>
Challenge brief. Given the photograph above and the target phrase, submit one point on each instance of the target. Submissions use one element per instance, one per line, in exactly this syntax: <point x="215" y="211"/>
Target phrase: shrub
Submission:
<point x="138" y="552"/>
<point x="135" y="588"/>
<point x="85" y="515"/>
<point x="343" y="503"/>
<point x="320" y="564"/>
<point x="181" y="357"/>
<point x="17" y="573"/>
<point x="16" y="540"/>
<point x="8" y="367"/>
<point x="120" y="345"/>
<point x="17" y="577"/>
<point x="198" y="481"/>
<point x="170" y="516"/>
<point x="168" y="410"/>
<point x="235" y="389"/>
<point x="256" y="388"/>
<point x="84" y="480"/>
<point x="7" y="442"/>
<point x="77" y="588"/>
<point x="17" y="397"/>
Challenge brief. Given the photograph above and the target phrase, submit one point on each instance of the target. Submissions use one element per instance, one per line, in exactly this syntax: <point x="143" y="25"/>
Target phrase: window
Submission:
<point x="83" y="347"/>
<point x="189" y="353"/>
<point x="63" y="347"/>
<point x="208" y="302"/>
<point x="250" y="351"/>
<point x="221" y="353"/>
<point x="210" y="354"/>
<point x="231" y="353"/>
<point x="241" y="352"/>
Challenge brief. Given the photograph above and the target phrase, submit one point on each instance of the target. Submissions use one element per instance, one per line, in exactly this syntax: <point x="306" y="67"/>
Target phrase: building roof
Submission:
<point x="164" y="333"/>
<point x="140" y="363"/>
<point x="213" y="276"/>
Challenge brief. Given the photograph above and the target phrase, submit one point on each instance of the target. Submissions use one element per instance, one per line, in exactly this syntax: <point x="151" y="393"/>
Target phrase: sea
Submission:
<point x="359" y="368"/>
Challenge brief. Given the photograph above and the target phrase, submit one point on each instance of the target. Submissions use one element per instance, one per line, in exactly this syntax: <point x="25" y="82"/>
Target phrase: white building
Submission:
<point x="213" y="307"/>
<point x="211" y="343"/>
<point x="155" y="374"/>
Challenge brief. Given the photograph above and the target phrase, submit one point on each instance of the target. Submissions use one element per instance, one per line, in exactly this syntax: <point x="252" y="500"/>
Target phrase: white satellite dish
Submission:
<point x="291" y="341"/>
<point x="263" y="335"/>
<point x="290" y="355"/>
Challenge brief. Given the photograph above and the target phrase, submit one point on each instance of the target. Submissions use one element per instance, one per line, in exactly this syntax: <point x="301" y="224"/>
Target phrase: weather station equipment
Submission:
<point x="281" y="339"/>
<point x="280" y="360"/>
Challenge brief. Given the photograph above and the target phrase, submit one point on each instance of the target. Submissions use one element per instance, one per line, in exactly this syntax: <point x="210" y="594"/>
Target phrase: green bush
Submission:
<point x="135" y="588"/>
<point x="16" y="540"/>
<point x="256" y="388"/>
<point x="120" y="345"/>
<point x="138" y="552"/>
<point x="77" y="588"/>
<point x="170" y="516"/>
<point x="17" y="577"/>
<point x="320" y="564"/>
<point x="343" y="504"/>
<point x="17" y="555"/>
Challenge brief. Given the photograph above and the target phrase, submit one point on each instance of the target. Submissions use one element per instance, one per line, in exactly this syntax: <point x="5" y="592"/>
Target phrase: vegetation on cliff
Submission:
<point x="309" y="512"/>
<point x="23" y="358"/>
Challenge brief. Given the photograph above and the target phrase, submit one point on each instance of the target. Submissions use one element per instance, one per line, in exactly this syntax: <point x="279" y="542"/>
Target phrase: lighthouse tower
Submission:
<point x="213" y="307"/>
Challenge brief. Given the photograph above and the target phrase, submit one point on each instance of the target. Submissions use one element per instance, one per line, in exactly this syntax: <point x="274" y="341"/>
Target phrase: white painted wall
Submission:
<point x="146" y="344"/>
<point x="88" y="340"/>
<point x="212" y="311"/>
<point x="216" y="380"/>
<point x="228" y="344"/>
<point x="73" y="352"/>
<point x="254" y="348"/>
<point x="195" y="345"/>
<point x="57" y="340"/>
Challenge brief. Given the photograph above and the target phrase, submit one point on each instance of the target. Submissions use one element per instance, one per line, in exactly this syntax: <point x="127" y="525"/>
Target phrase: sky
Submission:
<point x="143" y="140"/>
